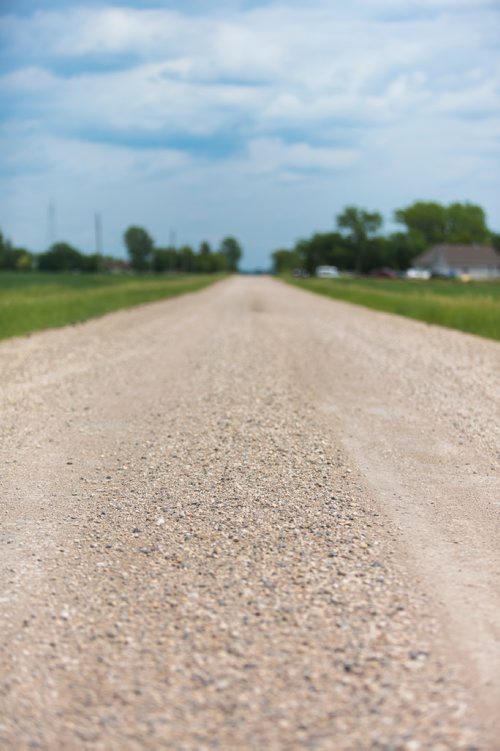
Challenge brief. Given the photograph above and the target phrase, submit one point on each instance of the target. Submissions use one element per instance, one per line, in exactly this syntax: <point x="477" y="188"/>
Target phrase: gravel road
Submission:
<point x="250" y="518"/>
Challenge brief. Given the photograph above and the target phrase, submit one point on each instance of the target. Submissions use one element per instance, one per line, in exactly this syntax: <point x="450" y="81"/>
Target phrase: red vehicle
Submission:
<point x="384" y="273"/>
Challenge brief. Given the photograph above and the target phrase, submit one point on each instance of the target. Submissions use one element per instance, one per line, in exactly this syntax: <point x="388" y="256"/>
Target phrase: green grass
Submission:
<point x="473" y="307"/>
<point x="34" y="301"/>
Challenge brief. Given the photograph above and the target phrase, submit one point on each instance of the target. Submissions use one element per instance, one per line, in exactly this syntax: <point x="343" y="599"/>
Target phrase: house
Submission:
<point x="472" y="261"/>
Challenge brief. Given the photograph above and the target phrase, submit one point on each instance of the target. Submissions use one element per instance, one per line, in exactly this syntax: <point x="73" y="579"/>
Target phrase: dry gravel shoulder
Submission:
<point x="249" y="518"/>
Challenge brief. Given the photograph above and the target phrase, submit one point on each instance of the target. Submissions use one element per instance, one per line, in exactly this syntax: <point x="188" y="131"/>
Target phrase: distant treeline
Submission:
<point x="143" y="256"/>
<point x="357" y="243"/>
<point x="59" y="257"/>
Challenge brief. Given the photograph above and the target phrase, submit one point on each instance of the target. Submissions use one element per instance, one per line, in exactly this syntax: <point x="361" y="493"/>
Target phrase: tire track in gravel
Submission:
<point x="195" y="553"/>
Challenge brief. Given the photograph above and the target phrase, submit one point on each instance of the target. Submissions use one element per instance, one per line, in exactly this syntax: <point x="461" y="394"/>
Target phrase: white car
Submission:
<point x="327" y="272"/>
<point x="418" y="274"/>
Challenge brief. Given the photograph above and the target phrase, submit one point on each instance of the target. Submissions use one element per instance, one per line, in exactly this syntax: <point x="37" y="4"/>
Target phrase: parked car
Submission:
<point x="327" y="272"/>
<point x="384" y="273"/>
<point x="418" y="274"/>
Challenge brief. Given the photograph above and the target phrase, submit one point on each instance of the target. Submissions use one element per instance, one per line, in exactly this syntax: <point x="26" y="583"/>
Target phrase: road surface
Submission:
<point x="250" y="518"/>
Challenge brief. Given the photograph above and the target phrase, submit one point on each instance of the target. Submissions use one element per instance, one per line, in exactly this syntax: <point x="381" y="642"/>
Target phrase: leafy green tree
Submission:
<point x="378" y="254"/>
<point x="14" y="259"/>
<point x="218" y="263"/>
<point x="329" y="248"/>
<point x="285" y="260"/>
<point x="232" y="251"/>
<point x="434" y="223"/>
<point x="165" y="260"/>
<point x="403" y="247"/>
<point x="203" y="262"/>
<point x="360" y="225"/>
<point x="205" y="248"/>
<point x="466" y="223"/>
<point x="187" y="259"/>
<point x="92" y="262"/>
<point x="3" y="249"/>
<point x="203" y="259"/>
<point x="424" y="219"/>
<point x="24" y="260"/>
<point x="62" y="256"/>
<point x="140" y="248"/>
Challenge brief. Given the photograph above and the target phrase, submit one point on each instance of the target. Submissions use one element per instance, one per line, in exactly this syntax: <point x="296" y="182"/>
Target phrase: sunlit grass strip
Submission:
<point x="33" y="302"/>
<point x="472" y="307"/>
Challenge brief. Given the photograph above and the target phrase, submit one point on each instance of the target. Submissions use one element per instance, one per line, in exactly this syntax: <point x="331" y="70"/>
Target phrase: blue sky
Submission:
<point x="258" y="119"/>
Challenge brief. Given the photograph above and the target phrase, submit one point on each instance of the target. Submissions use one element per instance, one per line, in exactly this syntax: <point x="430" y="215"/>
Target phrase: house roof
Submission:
<point x="458" y="256"/>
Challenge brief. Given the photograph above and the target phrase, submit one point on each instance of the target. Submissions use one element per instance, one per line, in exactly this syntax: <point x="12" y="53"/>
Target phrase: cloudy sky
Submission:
<point x="258" y="119"/>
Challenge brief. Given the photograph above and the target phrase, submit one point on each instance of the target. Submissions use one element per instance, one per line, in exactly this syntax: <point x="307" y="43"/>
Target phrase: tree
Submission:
<point x="24" y="260"/>
<point x="165" y="259"/>
<point x="4" y="248"/>
<point x="91" y="262"/>
<point x="139" y="248"/>
<point x="403" y="247"/>
<point x="187" y="259"/>
<point x="218" y="262"/>
<point x="324" y="248"/>
<point x="62" y="256"/>
<point x="285" y="260"/>
<point x="203" y="259"/>
<point x="210" y="263"/>
<point x="466" y="223"/>
<point x="360" y="225"/>
<point x="434" y="223"/>
<point x="14" y="259"/>
<point x="426" y="219"/>
<point x="205" y="248"/>
<point x="232" y="251"/>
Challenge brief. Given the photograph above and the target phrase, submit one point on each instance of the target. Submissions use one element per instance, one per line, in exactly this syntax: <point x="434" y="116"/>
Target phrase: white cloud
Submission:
<point x="273" y="155"/>
<point x="286" y="65"/>
<point x="74" y="160"/>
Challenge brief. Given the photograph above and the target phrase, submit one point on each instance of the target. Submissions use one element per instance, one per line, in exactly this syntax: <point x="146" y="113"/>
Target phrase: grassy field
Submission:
<point x="34" y="301"/>
<point x="473" y="307"/>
